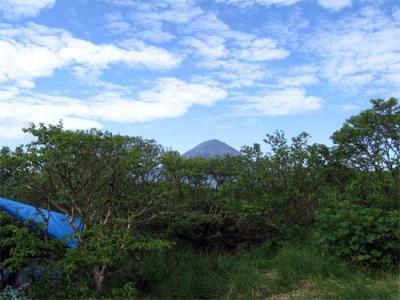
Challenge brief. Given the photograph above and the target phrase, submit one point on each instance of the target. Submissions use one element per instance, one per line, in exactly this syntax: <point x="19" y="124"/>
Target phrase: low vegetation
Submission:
<point x="300" y="221"/>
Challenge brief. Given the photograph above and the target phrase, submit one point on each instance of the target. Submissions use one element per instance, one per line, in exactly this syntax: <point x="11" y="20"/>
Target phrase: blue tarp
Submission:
<point x="58" y="226"/>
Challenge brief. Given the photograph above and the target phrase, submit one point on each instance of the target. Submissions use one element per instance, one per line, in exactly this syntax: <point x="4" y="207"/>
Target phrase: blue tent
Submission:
<point x="56" y="224"/>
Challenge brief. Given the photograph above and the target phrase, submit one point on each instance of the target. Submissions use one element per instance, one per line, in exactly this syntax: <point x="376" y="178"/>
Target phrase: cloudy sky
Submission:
<point x="183" y="71"/>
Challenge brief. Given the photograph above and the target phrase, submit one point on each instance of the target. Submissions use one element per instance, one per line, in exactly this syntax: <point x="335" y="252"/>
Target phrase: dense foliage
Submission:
<point x="367" y="235"/>
<point x="141" y="205"/>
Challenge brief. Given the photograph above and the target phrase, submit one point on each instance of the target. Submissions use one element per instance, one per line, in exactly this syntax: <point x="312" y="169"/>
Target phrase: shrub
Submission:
<point x="364" y="235"/>
<point x="223" y="231"/>
<point x="22" y="245"/>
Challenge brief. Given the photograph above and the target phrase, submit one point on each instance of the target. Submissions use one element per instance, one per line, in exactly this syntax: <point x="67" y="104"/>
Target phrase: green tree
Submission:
<point x="99" y="177"/>
<point x="370" y="141"/>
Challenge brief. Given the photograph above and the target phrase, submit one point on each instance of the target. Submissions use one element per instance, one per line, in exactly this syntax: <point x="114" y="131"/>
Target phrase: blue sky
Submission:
<point x="183" y="71"/>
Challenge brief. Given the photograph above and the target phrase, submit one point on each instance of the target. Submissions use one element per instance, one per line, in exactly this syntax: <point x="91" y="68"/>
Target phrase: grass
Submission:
<point x="363" y="287"/>
<point x="183" y="274"/>
<point x="293" y="273"/>
<point x="311" y="275"/>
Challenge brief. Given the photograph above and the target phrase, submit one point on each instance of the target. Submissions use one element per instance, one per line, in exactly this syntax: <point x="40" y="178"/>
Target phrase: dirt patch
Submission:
<point x="306" y="289"/>
<point x="271" y="275"/>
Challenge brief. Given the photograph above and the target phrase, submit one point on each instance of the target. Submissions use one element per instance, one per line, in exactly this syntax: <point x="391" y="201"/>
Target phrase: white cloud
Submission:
<point x="236" y="58"/>
<point x="392" y="77"/>
<point x="149" y="17"/>
<point x="23" y="8"/>
<point x="116" y="23"/>
<point x="234" y="73"/>
<point x="300" y="80"/>
<point x="211" y="46"/>
<point x="155" y="35"/>
<point x="260" y="49"/>
<point x="210" y="43"/>
<point x="335" y="5"/>
<point x="37" y="51"/>
<point x="18" y="108"/>
<point x="168" y="98"/>
<point x="260" y="2"/>
<point x="359" y="50"/>
<point x="208" y="23"/>
<point x="212" y="38"/>
<point x="280" y="103"/>
<point x="174" y="11"/>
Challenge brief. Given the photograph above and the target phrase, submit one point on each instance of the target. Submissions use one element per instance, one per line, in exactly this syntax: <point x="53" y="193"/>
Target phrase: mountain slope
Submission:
<point x="211" y="148"/>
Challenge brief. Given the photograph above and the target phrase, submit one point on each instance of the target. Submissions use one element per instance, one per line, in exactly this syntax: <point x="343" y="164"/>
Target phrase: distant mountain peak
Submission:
<point x="212" y="148"/>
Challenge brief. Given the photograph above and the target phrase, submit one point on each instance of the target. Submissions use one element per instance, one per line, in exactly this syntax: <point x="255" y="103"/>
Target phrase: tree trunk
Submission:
<point x="98" y="276"/>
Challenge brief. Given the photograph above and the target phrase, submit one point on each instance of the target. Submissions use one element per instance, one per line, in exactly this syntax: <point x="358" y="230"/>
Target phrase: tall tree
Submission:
<point x="371" y="140"/>
<point x="94" y="175"/>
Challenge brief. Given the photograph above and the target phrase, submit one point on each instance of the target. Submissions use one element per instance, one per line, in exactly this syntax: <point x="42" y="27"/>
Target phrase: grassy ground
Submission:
<point x="309" y="275"/>
<point x="293" y="273"/>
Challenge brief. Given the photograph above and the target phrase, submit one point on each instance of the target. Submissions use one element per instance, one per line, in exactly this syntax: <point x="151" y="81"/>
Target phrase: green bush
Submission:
<point x="224" y="231"/>
<point x="22" y="245"/>
<point x="364" y="235"/>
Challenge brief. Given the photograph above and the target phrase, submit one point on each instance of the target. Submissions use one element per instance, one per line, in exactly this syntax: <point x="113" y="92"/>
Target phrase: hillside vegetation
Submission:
<point x="300" y="221"/>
